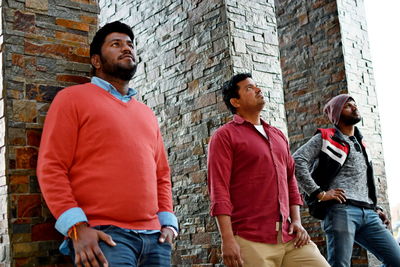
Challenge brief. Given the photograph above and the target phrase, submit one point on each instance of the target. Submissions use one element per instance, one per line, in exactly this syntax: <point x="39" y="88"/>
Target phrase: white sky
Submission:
<point x="384" y="36"/>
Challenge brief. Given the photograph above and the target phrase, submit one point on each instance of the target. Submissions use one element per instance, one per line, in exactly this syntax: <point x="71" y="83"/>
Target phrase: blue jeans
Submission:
<point x="346" y="224"/>
<point x="133" y="249"/>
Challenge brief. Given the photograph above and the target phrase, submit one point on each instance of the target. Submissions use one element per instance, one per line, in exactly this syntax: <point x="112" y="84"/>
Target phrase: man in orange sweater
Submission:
<point x="102" y="165"/>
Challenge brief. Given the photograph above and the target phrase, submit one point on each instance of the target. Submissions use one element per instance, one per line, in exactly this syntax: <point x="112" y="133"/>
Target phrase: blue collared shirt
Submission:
<point x="112" y="90"/>
<point x="74" y="215"/>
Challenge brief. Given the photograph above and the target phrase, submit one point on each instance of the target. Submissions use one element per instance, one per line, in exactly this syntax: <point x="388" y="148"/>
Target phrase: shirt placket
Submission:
<point x="278" y="225"/>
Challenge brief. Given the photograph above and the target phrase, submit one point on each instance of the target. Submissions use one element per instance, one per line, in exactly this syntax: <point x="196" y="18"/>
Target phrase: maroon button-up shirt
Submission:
<point x="251" y="178"/>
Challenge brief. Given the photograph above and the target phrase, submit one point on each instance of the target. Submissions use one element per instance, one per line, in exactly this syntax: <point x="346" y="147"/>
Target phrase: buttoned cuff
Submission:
<point x="69" y="218"/>
<point x="173" y="230"/>
<point x="167" y="218"/>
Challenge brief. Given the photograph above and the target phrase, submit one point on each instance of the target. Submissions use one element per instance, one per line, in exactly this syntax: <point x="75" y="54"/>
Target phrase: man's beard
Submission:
<point x="118" y="70"/>
<point x="350" y="120"/>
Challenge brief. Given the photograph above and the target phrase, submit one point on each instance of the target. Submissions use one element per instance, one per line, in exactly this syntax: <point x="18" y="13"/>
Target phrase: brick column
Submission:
<point x="254" y="48"/>
<point x="187" y="50"/>
<point x="324" y="52"/>
<point x="45" y="49"/>
<point x="4" y="236"/>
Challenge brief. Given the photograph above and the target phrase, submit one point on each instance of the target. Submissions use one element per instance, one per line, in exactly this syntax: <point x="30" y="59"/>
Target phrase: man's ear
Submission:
<point x="96" y="62"/>
<point x="234" y="102"/>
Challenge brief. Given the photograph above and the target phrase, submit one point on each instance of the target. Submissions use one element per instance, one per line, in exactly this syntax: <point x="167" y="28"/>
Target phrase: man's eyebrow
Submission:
<point x="120" y="40"/>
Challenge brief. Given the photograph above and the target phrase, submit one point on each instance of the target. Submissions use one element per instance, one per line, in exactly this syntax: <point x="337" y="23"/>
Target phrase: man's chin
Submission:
<point x="353" y="121"/>
<point x="126" y="73"/>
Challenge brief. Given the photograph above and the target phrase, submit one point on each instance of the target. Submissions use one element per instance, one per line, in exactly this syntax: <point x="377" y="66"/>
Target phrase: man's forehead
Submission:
<point x="247" y="81"/>
<point x="118" y="36"/>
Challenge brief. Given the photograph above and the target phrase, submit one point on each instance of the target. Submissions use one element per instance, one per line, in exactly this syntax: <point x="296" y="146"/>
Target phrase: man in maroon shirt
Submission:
<point x="253" y="190"/>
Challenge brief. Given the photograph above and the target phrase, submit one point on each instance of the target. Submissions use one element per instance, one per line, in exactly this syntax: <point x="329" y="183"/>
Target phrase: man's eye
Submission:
<point x="115" y="44"/>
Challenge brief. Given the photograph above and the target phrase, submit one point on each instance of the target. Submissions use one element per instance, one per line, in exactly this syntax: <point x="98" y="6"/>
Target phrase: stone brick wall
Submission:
<point x="254" y="48"/>
<point x="45" y="49"/>
<point x="4" y="237"/>
<point x="312" y="63"/>
<point x="324" y="52"/>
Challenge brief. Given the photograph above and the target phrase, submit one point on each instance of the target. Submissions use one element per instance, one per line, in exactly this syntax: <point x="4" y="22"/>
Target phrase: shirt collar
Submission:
<point x="357" y="133"/>
<point x="109" y="87"/>
<point x="239" y="120"/>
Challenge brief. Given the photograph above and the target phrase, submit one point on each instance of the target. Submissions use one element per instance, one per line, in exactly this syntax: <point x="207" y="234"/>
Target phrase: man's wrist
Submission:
<point x="227" y="238"/>
<point x="172" y="229"/>
<point x="73" y="231"/>
<point x="377" y="208"/>
<point x="321" y="196"/>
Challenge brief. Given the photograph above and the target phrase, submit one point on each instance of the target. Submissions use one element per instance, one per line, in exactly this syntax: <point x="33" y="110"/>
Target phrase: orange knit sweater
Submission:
<point x="106" y="157"/>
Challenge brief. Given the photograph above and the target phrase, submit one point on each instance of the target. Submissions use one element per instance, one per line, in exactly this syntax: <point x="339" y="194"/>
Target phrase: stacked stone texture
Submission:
<point x="4" y="237"/>
<point x="187" y="50"/>
<point x="254" y="48"/>
<point x="45" y="49"/>
<point x="312" y="63"/>
<point x="324" y="52"/>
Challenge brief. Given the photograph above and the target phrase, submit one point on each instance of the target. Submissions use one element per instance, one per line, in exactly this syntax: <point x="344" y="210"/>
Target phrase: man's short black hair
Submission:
<point x="230" y="89"/>
<point x="98" y="39"/>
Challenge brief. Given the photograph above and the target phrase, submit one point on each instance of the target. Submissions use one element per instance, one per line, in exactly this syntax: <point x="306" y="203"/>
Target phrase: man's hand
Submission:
<point x="87" y="250"/>
<point x="166" y="235"/>
<point x="333" y="194"/>
<point x="384" y="218"/>
<point x="231" y="253"/>
<point x="302" y="237"/>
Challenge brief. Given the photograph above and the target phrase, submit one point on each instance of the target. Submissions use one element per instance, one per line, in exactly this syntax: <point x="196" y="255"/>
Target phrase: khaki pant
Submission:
<point x="256" y="254"/>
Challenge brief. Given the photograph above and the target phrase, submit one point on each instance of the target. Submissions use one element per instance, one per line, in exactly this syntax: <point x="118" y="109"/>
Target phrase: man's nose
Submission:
<point x="127" y="47"/>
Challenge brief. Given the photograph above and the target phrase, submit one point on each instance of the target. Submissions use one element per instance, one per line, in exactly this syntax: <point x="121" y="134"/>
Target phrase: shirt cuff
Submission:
<point x="167" y="218"/>
<point x="69" y="218"/>
<point x="316" y="192"/>
<point x="221" y="208"/>
<point x="296" y="201"/>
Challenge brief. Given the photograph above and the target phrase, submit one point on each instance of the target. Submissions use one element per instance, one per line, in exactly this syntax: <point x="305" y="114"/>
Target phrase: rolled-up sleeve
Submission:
<point x="219" y="174"/>
<point x="294" y="194"/>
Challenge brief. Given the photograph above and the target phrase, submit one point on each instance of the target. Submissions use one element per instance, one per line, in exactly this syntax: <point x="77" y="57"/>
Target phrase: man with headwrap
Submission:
<point x="335" y="171"/>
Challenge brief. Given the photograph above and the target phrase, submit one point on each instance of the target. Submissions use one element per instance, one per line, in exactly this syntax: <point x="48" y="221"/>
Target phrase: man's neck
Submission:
<point x="253" y="118"/>
<point x="346" y="129"/>
<point x="121" y="86"/>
